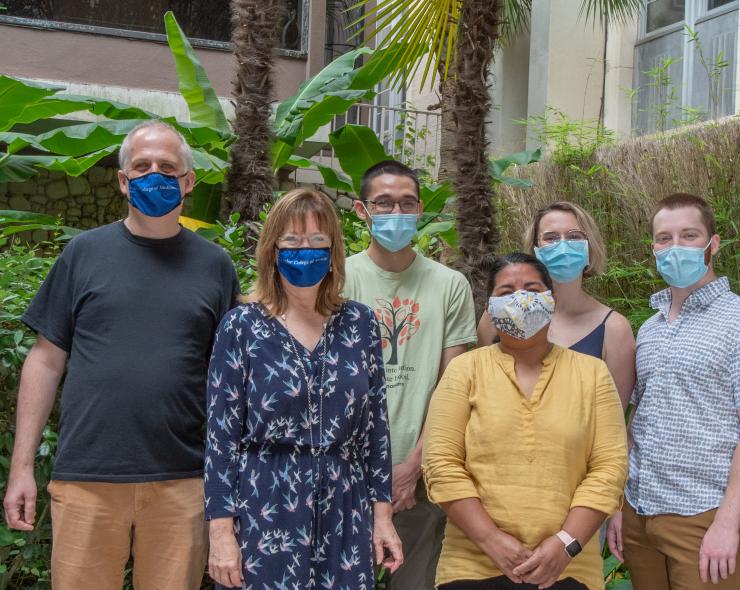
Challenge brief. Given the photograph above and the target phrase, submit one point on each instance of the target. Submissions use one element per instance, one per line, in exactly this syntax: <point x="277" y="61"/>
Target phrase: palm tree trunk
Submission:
<point x="255" y="34"/>
<point x="448" y="125"/>
<point x="478" y="231"/>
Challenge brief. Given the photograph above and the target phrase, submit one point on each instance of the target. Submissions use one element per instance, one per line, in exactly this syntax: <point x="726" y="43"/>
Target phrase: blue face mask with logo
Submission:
<point x="304" y="267"/>
<point x="394" y="231"/>
<point x="564" y="260"/>
<point x="155" y="194"/>
<point x="681" y="266"/>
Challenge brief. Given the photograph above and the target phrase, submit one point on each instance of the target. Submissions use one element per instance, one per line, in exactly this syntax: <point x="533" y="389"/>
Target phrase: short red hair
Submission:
<point x="681" y="200"/>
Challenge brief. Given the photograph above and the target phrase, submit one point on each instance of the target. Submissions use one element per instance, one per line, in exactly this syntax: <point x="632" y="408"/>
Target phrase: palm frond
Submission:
<point x="516" y="18"/>
<point x="605" y="12"/>
<point x="431" y="23"/>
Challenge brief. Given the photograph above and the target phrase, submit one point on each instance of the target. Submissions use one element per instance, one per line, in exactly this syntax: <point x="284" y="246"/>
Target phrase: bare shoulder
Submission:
<point x="618" y="327"/>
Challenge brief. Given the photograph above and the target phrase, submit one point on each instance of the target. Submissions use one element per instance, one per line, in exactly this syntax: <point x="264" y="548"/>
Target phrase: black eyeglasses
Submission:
<point x="383" y="205"/>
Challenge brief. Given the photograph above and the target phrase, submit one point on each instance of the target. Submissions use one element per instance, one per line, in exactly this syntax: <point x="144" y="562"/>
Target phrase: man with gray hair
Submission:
<point x="129" y="311"/>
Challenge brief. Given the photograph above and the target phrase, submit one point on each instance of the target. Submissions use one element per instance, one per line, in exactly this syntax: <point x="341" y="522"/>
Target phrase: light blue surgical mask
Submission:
<point x="565" y="260"/>
<point x="394" y="231"/>
<point x="681" y="266"/>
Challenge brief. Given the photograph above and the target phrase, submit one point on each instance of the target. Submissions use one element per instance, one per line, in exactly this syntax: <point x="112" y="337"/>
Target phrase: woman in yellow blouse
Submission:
<point x="525" y="450"/>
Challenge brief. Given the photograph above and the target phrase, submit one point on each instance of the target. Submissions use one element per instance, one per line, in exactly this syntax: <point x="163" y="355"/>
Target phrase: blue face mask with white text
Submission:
<point x="155" y="194"/>
<point x="304" y="267"/>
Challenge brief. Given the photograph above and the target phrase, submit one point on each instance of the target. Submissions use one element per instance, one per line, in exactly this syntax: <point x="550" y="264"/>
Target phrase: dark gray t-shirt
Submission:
<point x="137" y="317"/>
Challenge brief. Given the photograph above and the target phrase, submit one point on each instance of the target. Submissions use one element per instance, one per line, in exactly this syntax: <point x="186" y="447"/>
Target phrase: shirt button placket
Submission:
<point x="529" y="430"/>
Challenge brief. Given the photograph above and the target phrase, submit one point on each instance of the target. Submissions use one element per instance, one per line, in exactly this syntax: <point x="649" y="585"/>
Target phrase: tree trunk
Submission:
<point x="448" y="126"/>
<point x="478" y="232"/>
<point x="255" y="34"/>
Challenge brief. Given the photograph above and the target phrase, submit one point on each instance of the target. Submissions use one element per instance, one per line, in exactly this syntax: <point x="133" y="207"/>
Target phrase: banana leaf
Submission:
<point x="195" y="87"/>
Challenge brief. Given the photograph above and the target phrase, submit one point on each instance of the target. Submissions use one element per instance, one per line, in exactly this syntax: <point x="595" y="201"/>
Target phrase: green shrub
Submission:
<point x="24" y="558"/>
<point x="619" y="184"/>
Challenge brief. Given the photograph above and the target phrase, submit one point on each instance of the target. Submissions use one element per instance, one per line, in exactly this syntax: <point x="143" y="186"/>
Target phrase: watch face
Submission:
<point x="573" y="548"/>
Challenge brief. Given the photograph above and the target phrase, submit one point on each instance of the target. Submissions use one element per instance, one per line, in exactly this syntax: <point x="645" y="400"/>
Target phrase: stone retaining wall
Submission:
<point x="85" y="201"/>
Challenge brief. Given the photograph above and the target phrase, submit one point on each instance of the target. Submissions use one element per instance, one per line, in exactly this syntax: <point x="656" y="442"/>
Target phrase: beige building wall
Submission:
<point x="140" y="72"/>
<point x="566" y="66"/>
<point x="559" y="62"/>
<point x="620" y="59"/>
<point x="509" y="94"/>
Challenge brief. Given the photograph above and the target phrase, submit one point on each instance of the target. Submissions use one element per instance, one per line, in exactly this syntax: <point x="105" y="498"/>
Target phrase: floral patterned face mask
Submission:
<point x="521" y="314"/>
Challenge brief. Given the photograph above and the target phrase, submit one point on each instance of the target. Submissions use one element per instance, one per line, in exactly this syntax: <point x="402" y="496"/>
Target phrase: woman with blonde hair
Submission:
<point x="298" y="462"/>
<point x="565" y="238"/>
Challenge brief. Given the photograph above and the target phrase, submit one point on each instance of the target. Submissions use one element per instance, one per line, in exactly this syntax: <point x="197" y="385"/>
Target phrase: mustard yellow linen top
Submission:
<point x="529" y="461"/>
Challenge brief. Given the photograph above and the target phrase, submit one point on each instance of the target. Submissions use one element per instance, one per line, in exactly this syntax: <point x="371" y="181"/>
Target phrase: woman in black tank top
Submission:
<point x="565" y="238"/>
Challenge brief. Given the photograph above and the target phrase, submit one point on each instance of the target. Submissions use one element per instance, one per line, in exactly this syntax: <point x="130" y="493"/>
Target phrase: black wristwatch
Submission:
<point x="572" y="546"/>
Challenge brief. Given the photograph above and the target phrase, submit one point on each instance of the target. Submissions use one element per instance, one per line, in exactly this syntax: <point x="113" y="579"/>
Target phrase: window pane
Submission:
<point x="712" y="4"/>
<point x="661" y="13"/>
<point x="201" y="19"/>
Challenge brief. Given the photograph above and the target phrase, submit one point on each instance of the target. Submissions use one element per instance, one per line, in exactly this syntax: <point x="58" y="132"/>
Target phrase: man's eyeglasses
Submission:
<point x="551" y="238"/>
<point x="314" y="241"/>
<point x="384" y="206"/>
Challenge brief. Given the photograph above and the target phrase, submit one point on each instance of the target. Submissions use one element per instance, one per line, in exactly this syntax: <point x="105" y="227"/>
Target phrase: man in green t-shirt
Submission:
<point x="427" y="318"/>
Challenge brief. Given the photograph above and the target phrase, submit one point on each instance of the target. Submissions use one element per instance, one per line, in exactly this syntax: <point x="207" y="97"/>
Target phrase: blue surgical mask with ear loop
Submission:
<point x="304" y="267"/>
<point x="565" y="260"/>
<point x="394" y="231"/>
<point x="155" y="194"/>
<point x="681" y="266"/>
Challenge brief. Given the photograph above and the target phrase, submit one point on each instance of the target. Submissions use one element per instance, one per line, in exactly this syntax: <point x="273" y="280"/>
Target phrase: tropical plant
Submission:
<point x="462" y="35"/>
<point x="73" y="148"/>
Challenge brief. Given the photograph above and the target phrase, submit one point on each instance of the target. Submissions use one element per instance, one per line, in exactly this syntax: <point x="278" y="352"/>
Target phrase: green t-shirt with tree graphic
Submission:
<point x="421" y="310"/>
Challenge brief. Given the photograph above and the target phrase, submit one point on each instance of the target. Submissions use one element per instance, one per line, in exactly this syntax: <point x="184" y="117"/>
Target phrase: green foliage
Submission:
<point x="661" y="82"/>
<point x="24" y="557"/>
<point x="195" y="87"/>
<point x="617" y="185"/>
<point x="357" y="148"/>
<point x="328" y="94"/>
<point x="232" y="237"/>
<point x="436" y="24"/>
<point x="14" y="222"/>
<point x="568" y="142"/>
<point x="74" y="147"/>
<point x="501" y="165"/>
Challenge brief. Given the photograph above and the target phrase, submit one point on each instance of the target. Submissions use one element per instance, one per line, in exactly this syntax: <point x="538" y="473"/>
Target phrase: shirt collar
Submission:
<point x="698" y="299"/>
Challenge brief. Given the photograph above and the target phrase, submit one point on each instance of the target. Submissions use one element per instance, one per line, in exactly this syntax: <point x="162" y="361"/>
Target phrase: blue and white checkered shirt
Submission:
<point x="687" y="394"/>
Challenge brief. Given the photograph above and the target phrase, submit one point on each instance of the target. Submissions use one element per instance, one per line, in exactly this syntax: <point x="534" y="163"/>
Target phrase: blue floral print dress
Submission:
<point x="299" y="482"/>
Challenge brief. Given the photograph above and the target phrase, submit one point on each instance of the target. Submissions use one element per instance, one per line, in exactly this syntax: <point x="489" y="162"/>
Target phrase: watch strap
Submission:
<point x="571" y="546"/>
<point x="564" y="537"/>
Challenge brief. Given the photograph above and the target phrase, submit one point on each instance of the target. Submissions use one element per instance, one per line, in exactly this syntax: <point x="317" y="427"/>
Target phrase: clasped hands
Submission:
<point x="541" y="566"/>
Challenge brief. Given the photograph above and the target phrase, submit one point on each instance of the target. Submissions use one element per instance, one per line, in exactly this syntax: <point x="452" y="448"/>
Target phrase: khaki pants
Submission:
<point x="97" y="526"/>
<point x="662" y="552"/>
<point x="421" y="530"/>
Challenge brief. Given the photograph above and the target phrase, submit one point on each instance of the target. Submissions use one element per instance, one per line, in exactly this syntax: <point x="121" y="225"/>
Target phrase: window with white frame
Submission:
<point x="685" y="63"/>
